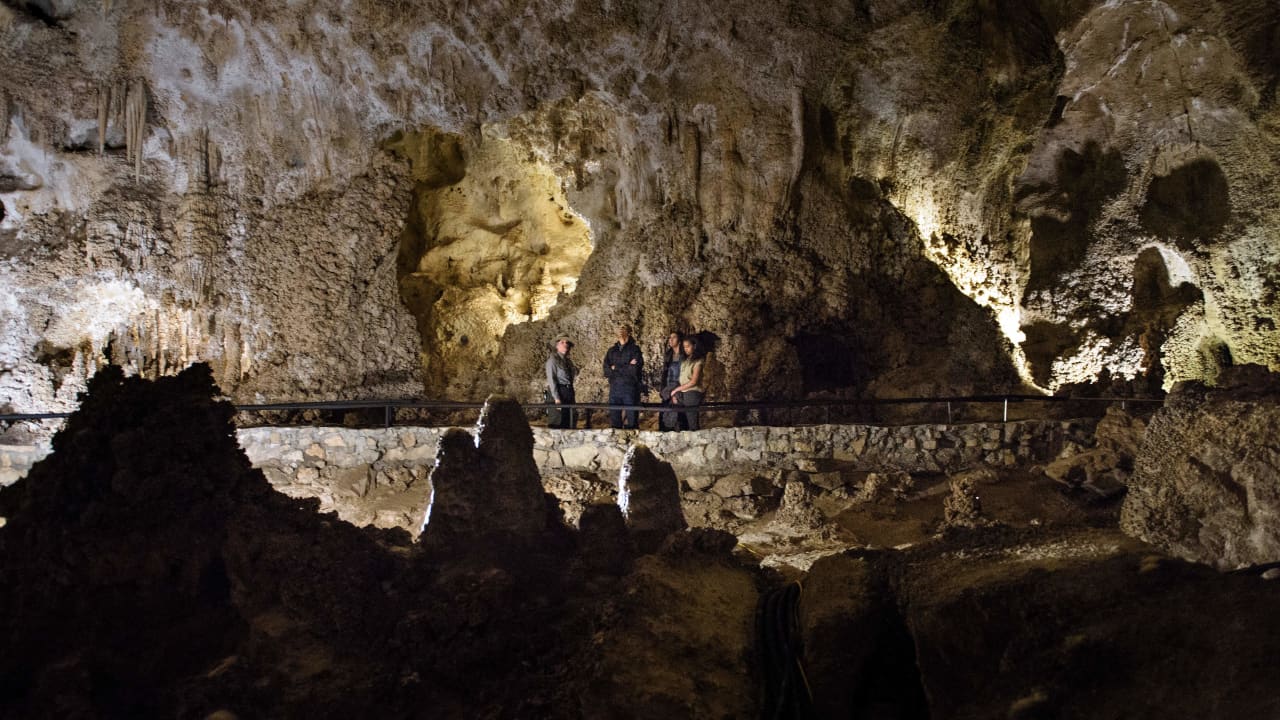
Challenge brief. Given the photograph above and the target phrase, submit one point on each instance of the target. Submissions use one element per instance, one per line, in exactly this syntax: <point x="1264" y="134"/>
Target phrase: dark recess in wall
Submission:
<point x="828" y="361"/>
<point x="1061" y="222"/>
<point x="1193" y="201"/>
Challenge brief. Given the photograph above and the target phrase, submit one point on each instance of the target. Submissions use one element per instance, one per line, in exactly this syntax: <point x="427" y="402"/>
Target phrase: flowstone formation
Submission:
<point x="490" y="242"/>
<point x="881" y="198"/>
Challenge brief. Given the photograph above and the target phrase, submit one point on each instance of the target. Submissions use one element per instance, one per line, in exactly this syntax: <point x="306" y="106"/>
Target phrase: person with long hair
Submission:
<point x="671" y="359"/>
<point x="689" y="392"/>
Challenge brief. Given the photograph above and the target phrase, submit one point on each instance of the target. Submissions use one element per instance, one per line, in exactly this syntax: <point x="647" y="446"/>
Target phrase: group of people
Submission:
<point x="682" y="381"/>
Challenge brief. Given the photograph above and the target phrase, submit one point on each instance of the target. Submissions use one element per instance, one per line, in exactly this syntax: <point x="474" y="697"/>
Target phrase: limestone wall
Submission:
<point x="16" y="460"/>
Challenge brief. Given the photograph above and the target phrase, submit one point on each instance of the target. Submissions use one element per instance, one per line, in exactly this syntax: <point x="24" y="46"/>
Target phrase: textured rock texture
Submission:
<point x="146" y="570"/>
<point x="880" y="197"/>
<point x="1035" y="624"/>
<point x="1105" y="467"/>
<point x="649" y="496"/>
<point x="1206" y="482"/>
<point x="1085" y="625"/>
<point x="487" y="485"/>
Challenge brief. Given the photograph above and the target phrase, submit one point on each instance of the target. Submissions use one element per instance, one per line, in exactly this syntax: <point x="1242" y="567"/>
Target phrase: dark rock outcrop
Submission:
<point x="1038" y="624"/>
<point x="146" y="570"/>
<point x="649" y="496"/>
<point x="488" y="485"/>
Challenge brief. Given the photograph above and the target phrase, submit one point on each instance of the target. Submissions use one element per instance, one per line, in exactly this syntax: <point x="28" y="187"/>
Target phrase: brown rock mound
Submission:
<point x="1206" y="482"/>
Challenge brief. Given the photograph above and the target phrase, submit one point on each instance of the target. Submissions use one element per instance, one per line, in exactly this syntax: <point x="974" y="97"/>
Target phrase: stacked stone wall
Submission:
<point x="312" y="460"/>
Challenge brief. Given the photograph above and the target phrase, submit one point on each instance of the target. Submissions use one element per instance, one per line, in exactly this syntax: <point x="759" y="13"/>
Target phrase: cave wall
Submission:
<point x="953" y="196"/>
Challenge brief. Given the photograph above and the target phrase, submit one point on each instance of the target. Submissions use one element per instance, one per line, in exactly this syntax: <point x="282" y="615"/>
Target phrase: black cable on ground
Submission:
<point x="786" y="691"/>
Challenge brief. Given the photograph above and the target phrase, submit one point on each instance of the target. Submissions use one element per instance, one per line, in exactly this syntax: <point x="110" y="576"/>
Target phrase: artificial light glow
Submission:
<point x="624" y="492"/>
<point x="500" y="243"/>
<point x="924" y="212"/>
<point x="971" y="275"/>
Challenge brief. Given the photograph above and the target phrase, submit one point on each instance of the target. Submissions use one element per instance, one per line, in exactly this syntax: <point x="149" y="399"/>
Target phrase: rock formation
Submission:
<point x="1081" y="624"/>
<point x="1103" y="469"/>
<point x="147" y="570"/>
<point x="1206" y="482"/>
<point x="879" y="198"/>
<point x="649" y="497"/>
<point x="488" y="486"/>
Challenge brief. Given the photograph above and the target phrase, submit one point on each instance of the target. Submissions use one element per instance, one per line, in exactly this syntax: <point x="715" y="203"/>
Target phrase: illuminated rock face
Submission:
<point x="884" y="197"/>
<point x="490" y="242"/>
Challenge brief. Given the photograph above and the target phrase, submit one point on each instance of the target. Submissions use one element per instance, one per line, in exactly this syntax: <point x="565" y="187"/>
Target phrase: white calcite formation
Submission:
<point x="345" y="198"/>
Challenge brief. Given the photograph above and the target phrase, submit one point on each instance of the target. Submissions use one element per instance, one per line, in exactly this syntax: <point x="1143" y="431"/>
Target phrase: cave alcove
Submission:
<point x="490" y="242"/>
<point x="1064" y="211"/>
<point x="1191" y="202"/>
<point x="829" y="361"/>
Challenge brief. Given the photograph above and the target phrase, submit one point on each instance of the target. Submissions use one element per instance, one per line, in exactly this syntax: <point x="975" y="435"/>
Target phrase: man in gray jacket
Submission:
<point x="560" y="372"/>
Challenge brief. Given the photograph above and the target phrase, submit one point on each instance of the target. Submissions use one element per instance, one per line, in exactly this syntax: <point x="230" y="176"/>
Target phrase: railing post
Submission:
<point x="948" y="412"/>
<point x="1006" y="409"/>
<point x="386" y="416"/>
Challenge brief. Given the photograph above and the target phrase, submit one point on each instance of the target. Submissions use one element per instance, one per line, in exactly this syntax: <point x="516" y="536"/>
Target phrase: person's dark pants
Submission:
<point x="624" y="395"/>
<point x="672" y="420"/>
<point x="565" y="418"/>
<point x="691" y="399"/>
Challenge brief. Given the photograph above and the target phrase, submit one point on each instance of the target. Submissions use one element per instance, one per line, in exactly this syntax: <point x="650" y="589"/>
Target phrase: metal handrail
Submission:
<point x="390" y="405"/>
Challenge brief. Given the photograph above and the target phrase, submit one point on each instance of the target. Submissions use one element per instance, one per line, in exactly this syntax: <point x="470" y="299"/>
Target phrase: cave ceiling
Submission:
<point x="350" y="198"/>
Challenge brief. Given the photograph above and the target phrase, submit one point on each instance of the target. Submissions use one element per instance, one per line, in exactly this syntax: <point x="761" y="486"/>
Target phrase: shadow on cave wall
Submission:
<point x="904" y="332"/>
<point x="1254" y="29"/>
<point x="1063" y="210"/>
<point x="1192" y="202"/>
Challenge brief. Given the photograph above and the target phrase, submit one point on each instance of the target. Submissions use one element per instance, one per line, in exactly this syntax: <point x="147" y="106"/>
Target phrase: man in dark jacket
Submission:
<point x="623" y="368"/>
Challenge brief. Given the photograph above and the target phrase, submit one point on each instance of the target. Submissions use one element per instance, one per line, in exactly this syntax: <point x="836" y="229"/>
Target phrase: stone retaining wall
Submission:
<point x="311" y="456"/>
<point x="378" y="476"/>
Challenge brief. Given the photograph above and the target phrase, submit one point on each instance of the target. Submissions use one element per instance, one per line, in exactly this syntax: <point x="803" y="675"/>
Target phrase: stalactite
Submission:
<point x="212" y="160"/>
<point x="246" y="357"/>
<point x="159" y="344"/>
<point x="184" y="348"/>
<point x="797" y="139"/>
<point x="135" y="124"/>
<point x="104" y="107"/>
<point x="197" y="278"/>
<point x="4" y="116"/>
